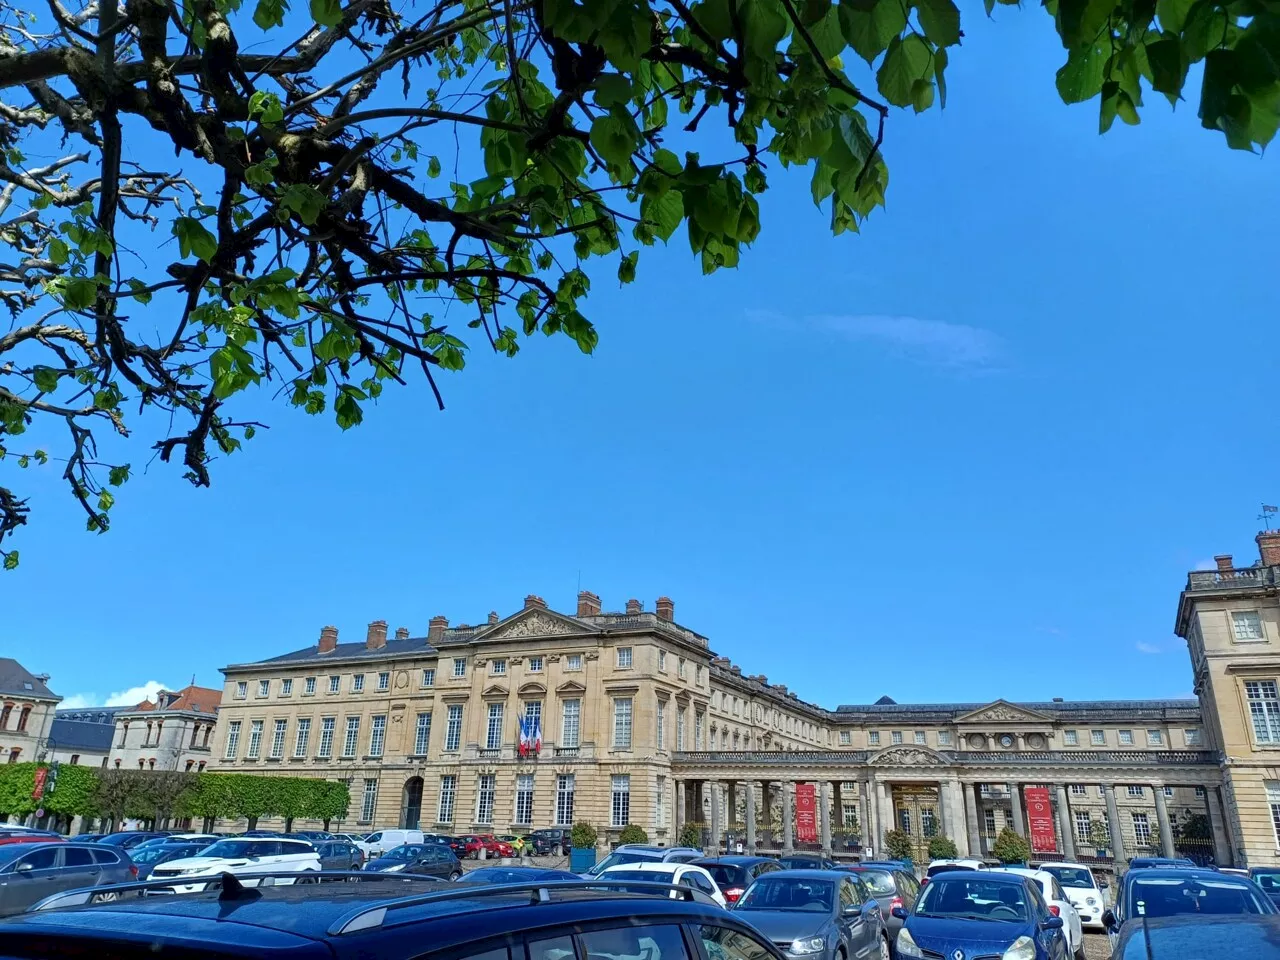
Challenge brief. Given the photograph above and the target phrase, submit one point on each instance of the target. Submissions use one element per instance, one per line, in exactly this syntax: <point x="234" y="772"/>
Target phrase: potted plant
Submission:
<point x="632" y="833"/>
<point x="898" y="845"/>
<point x="691" y="835"/>
<point x="583" y="840"/>
<point x="942" y="848"/>
<point x="1011" y="848"/>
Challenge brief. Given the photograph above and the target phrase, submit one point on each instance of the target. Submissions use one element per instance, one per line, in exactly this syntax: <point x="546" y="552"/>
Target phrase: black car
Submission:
<point x="551" y="840"/>
<point x="390" y="919"/>
<point x="734" y="874"/>
<point x="1268" y="878"/>
<point x="1167" y="892"/>
<point x="29" y="872"/>
<point x="127" y="839"/>
<point x="1197" y="937"/>
<point x="457" y="845"/>
<point x="892" y="887"/>
<point x="147" y="858"/>
<point x="420" y="859"/>
<point x="338" y="855"/>
<point x="311" y="835"/>
<point x="807" y="861"/>
<point x="516" y="875"/>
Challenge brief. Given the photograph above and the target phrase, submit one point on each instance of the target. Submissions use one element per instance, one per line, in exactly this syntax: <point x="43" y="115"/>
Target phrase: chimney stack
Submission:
<point x="532" y="600"/>
<point x="634" y="606"/>
<point x="376" y="638"/>
<point x="1269" y="547"/>
<point x="402" y="633"/>
<point x="493" y="616"/>
<point x="588" y="604"/>
<point x="436" y="628"/>
<point x="1224" y="562"/>
<point x="328" y="640"/>
<point x="666" y="608"/>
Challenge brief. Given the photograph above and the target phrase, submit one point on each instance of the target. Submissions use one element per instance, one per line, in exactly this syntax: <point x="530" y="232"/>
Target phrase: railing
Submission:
<point x="1243" y="578"/>
<point x="490" y="753"/>
<point x="650" y="620"/>
<point x="961" y="758"/>
<point x="567" y="751"/>
<point x="764" y="757"/>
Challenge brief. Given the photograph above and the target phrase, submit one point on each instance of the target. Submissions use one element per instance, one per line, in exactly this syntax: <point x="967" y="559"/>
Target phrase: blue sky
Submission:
<point x="970" y="453"/>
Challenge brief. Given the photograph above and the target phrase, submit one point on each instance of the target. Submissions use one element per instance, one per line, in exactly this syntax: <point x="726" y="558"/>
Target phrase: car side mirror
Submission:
<point x="852" y="910"/>
<point x="1109" y="919"/>
<point x="24" y="868"/>
<point x="1051" y="923"/>
<point x="898" y="913"/>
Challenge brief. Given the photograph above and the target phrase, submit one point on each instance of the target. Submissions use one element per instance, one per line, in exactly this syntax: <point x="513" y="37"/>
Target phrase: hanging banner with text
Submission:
<point x="42" y="775"/>
<point x="1040" y="820"/>
<point x="806" y="814"/>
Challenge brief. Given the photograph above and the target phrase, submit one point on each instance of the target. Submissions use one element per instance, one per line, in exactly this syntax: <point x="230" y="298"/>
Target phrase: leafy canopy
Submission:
<point x="204" y="196"/>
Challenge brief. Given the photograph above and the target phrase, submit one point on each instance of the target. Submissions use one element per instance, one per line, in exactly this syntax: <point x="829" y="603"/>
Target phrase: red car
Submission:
<point x="29" y="836"/>
<point x="492" y="846"/>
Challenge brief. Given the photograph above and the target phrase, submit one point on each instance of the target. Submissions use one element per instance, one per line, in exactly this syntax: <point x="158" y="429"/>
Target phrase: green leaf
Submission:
<point x="1080" y="22"/>
<point x="905" y="62"/>
<point x="58" y="251"/>
<point x="433" y="167"/>
<point x="665" y="213"/>
<point x="613" y="140"/>
<point x="827" y="35"/>
<point x="304" y="200"/>
<point x="194" y="238"/>
<point x="327" y="13"/>
<point x="627" y="268"/>
<point x="1080" y="78"/>
<point x="79" y="293"/>
<point x="940" y="20"/>
<point x="346" y="409"/>
<point x="266" y="106"/>
<point x="1168" y="67"/>
<point x="118" y="475"/>
<point x="871" y="25"/>
<point x="1173" y="14"/>
<point x="1205" y="29"/>
<point x="612" y="89"/>
<point x="764" y="24"/>
<point x="922" y="95"/>
<point x="46" y="379"/>
<point x="270" y="13"/>
<point x="10" y="559"/>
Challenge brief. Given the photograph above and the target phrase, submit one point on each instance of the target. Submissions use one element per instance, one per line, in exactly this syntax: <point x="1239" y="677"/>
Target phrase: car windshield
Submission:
<point x="938" y="868"/>
<point x="230" y="849"/>
<point x="617" y="858"/>
<point x="801" y="863"/>
<point x="409" y="851"/>
<point x="1170" y="896"/>
<point x="789" y="893"/>
<point x="1075" y="878"/>
<point x="966" y="895"/>
<point x="651" y="876"/>
<point x="879" y="882"/>
<point x="725" y="874"/>
<point x="167" y="852"/>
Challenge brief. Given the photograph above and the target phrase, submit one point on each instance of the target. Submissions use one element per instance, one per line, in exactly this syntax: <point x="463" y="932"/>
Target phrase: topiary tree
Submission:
<point x="632" y="833"/>
<point x="583" y="835"/>
<point x="899" y="845"/>
<point x="691" y="835"/>
<point x="942" y="848"/>
<point x="1011" y="847"/>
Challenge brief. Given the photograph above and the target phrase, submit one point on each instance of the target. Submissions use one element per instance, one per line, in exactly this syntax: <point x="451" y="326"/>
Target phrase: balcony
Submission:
<point x="1241" y="578"/>
<point x="566" y="751"/>
<point x="964" y="758"/>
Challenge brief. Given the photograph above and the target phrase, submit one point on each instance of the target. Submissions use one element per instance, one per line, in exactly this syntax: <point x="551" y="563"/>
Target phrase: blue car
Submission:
<point x="962" y="915"/>
<point x="1169" y="892"/>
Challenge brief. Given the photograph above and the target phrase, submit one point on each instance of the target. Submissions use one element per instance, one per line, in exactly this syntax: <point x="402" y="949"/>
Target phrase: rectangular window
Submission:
<point x="1084" y="826"/>
<point x="1155" y="738"/>
<point x="535" y="664"/>
<point x="422" y="735"/>
<point x="846" y="738"/>
<point x="484" y="798"/>
<point x="895" y="736"/>
<point x="1135" y="790"/>
<point x="1079" y="790"/>
<point x="303" y="735"/>
<point x="448" y="793"/>
<point x="377" y="736"/>
<point x="1264" y="709"/>
<point x="453" y="731"/>
<point x="622" y="723"/>
<point x="564" y="800"/>
<point x="255" y="739"/>
<point x="429" y="677"/>
<point x="277" y="739"/>
<point x="493" y="734"/>
<point x="357" y="683"/>
<point x="352" y="739"/>
<point x="621" y="806"/>
<point x="286" y="688"/>
<point x="989" y="821"/>
<point x="1071" y="738"/>
<point x="680" y="668"/>
<point x="1126" y="738"/>
<point x="498" y="666"/>
<point x="624" y="658"/>
<point x="680" y="722"/>
<point x="944" y="738"/>
<point x="662" y="661"/>
<point x="660" y="734"/>
<point x="384" y="681"/>
<point x="242" y="689"/>
<point x="571" y="716"/>
<point x="919" y="738"/>
<point x="660" y="802"/>
<point x="1192" y="736"/>
<point x="334" y="683"/>
<point x="1098" y="738"/>
<point x="264" y="687"/>
<point x="533" y="719"/>
<point x="233" y="739"/>
<point x="459" y="667"/>
<point x="573" y="661"/>
<point x="1141" y="829"/>
<point x="873" y="738"/>
<point x="697" y="730"/>
<point x="524" y="798"/>
<point x="369" y="802"/>
<point x="326" y="736"/>
<point x="1246" y="625"/>
<point x="1199" y="793"/>
<point x="1168" y="791"/>
<point x="309" y="686"/>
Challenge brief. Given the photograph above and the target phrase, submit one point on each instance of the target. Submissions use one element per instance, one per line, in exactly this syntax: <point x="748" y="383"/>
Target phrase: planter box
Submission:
<point x="582" y="859"/>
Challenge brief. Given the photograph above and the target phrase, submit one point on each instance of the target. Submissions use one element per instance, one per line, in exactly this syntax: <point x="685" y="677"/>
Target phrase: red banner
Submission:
<point x="1040" y="820"/>
<point x="806" y="814"/>
<point x="42" y="774"/>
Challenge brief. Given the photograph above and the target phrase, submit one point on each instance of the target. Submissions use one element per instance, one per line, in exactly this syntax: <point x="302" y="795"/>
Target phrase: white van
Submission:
<point x="382" y="841"/>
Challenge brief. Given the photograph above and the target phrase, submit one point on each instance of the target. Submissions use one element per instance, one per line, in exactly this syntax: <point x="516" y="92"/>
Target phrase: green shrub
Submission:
<point x="1011" y="847"/>
<point x="583" y="835"/>
<point x="942" y="848"/>
<point x="633" y="834"/>
<point x="898" y="845"/>
<point x="691" y="836"/>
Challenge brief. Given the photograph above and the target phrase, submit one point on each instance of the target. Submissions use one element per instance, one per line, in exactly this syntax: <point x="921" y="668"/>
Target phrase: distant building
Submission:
<point x="172" y="733"/>
<point x="82" y="736"/>
<point x="26" y="712"/>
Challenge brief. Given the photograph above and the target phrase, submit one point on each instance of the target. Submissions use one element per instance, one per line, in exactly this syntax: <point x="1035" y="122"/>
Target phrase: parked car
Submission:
<point x="822" y="914"/>
<point x="457" y="845"/>
<point x="1147" y="863"/>
<point x="312" y="835"/>
<point x="88" y="837"/>
<point x="421" y="859"/>
<point x="807" y="861"/>
<point x="9" y="835"/>
<point x="1082" y="888"/>
<point x="1059" y="905"/>
<point x="338" y="855"/>
<point x="1169" y="891"/>
<point x="203" y="838"/>
<point x="516" y="875"/>
<point x="354" y="838"/>
<point x="1268" y="878"/>
<point x="551" y="840"/>
<point x="127" y="839"/>
<point x="675" y="874"/>
<point x="644" y="853"/>
<point x="489" y="844"/>
<point x="241" y="856"/>
<point x="379" y="842"/>
<point x="147" y="856"/>
<point x="1195" y="936"/>
<point x="892" y="887"/>
<point x="936" y="867"/>
<point x="734" y="874"/>
<point x="981" y="913"/>
<point x="29" y="872"/>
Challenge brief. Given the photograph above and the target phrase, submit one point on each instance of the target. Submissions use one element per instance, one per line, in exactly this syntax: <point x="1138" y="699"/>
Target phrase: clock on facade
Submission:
<point x="1006" y="740"/>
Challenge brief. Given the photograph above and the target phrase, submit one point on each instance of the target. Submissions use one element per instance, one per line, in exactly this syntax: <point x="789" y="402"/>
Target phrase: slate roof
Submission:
<point x="349" y="651"/>
<point x="16" y="680"/>
<point x="98" y="715"/>
<point x="1058" y="709"/>
<point x="81" y="735"/>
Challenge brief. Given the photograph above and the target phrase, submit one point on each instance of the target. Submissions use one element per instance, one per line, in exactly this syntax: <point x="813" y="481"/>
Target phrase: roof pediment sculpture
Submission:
<point x="538" y="623"/>
<point x="1001" y="711"/>
<point x="908" y="757"/>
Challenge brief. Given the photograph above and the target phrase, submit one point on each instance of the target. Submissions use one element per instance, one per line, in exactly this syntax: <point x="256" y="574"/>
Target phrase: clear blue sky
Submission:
<point x="968" y="454"/>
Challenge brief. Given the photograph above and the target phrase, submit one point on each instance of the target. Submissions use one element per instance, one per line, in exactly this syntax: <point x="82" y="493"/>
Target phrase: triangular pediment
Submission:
<point x="532" y="623"/>
<point x="570" y="688"/>
<point x="495" y="690"/>
<point x="1002" y="711"/>
<point x="908" y="756"/>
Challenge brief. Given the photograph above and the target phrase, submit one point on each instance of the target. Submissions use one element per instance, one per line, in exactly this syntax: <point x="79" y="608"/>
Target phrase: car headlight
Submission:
<point x="907" y="946"/>
<point x="394" y="869"/>
<point x="807" y="945"/>
<point x="1091" y="901"/>
<point x="1024" y="948"/>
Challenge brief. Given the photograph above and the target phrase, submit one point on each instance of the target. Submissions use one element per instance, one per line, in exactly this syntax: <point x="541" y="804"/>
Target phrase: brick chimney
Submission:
<point x="493" y="616"/>
<point x="1224" y="562"/>
<point x="1269" y="547"/>
<point x="533" y="600"/>
<point x="376" y="638"/>
<point x="588" y="604"/>
<point x="402" y="633"/>
<point x="634" y="606"/>
<point x="328" y="640"/>
<point x="666" y="608"/>
<point x="436" y="628"/>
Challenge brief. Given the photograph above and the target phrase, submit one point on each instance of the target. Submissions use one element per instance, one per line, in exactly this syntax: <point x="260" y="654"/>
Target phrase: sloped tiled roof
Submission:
<point x="190" y="698"/>
<point x="17" y="681"/>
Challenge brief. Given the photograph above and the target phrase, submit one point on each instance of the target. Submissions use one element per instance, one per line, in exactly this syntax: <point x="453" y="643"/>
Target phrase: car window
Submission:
<point x="105" y="856"/>
<point x="39" y="859"/>
<point x="879" y="882"/>
<point x="627" y="943"/>
<point x="1178" y="895"/>
<point x="701" y="882"/>
<point x="553" y="948"/>
<point x="1056" y="892"/>
<point x="848" y="894"/>
<point x="726" y="874"/>
<point x="1038" y="903"/>
<point x="373" y="838"/>
<point x="1078" y="878"/>
<point x="969" y="895"/>
<point x="75" y="857"/>
<point x="787" y="893"/>
<point x="721" y="943"/>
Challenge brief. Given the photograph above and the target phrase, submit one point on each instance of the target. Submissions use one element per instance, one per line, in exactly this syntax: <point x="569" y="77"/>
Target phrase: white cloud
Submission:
<point x="1206" y="565"/>
<point x="78" y="701"/>
<point x="1147" y="647"/>
<point x="121" y="698"/>
<point x="931" y="342"/>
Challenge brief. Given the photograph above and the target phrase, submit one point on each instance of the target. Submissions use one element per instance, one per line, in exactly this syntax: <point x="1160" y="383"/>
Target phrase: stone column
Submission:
<point x="1015" y="799"/>
<point x="716" y="829"/>
<point x="944" y="812"/>
<point x="824" y="814"/>
<point x="885" y="807"/>
<point x="788" y="817"/>
<point x="731" y="805"/>
<point x="956" y="805"/>
<point x="1217" y="823"/>
<point x="837" y="808"/>
<point x="870" y="834"/>
<point x="682" y="811"/>
<point x="1064" y="823"/>
<point x="750" y="816"/>
<point x="1162" y="818"/>
<point x="1113" y="824"/>
<point x="766" y="801"/>
<point x="973" y="805"/>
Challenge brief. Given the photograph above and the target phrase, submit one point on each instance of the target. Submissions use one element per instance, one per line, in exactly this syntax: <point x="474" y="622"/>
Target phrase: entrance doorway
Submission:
<point x="411" y="806"/>
<point x="915" y="813"/>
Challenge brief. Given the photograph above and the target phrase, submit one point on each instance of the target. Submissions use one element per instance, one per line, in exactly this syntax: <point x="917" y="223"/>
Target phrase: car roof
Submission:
<point x="1188" y="873"/>
<point x="733" y="861"/>
<point x="652" y="865"/>
<point x="1066" y="863"/>
<point x="997" y="875"/>
<point x="805" y="874"/>
<point x="1204" y="935"/>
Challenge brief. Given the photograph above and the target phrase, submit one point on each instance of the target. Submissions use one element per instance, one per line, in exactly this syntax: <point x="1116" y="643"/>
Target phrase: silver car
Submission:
<point x="29" y="872"/>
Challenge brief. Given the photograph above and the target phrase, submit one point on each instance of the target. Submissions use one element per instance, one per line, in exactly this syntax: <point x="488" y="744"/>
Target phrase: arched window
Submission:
<point x="190" y="764"/>
<point x="142" y="764"/>
<point x="23" y="717"/>
<point x="207" y="730"/>
<point x="4" y="715"/>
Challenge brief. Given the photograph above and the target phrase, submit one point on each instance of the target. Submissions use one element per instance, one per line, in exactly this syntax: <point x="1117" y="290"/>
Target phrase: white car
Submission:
<point x="938" y="866"/>
<point x="1059" y="905"/>
<point x="676" y="874"/>
<point x="1081" y="886"/>
<point x="243" y="856"/>
<point x="383" y="841"/>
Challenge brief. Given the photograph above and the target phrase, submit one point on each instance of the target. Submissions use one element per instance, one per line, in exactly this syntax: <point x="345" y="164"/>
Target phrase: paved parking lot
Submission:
<point x="1096" y="946"/>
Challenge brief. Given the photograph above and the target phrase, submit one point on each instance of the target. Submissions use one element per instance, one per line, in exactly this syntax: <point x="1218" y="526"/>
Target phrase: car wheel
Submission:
<point x="109" y="897"/>
<point x="1079" y="954"/>
<point x="455" y="876"/>
<point x="884" y="947"/>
